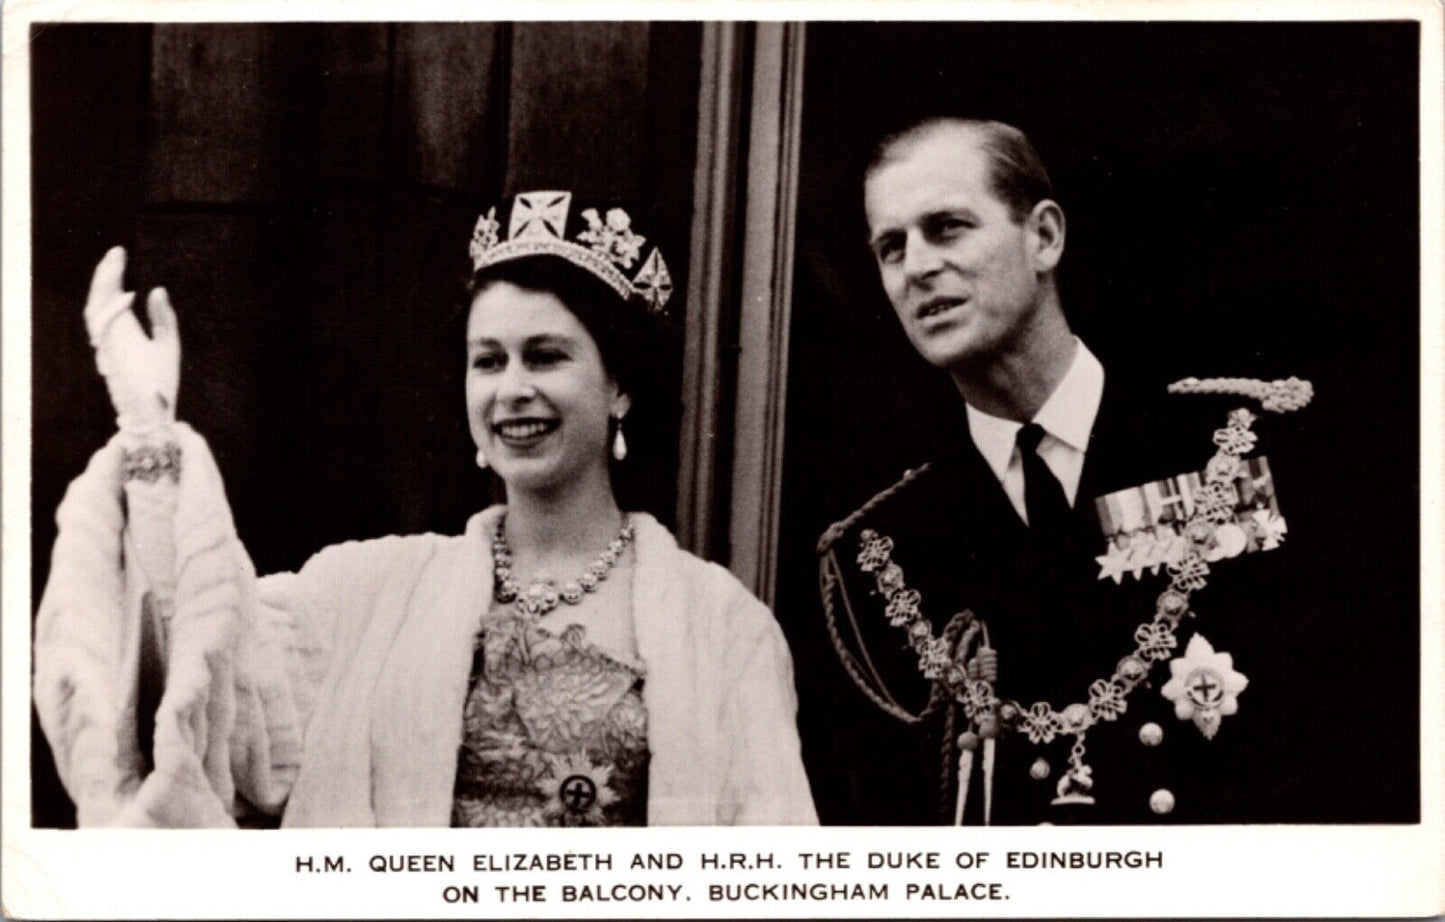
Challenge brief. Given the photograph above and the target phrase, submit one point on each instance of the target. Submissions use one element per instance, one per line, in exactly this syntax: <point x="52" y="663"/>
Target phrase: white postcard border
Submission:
<point x="1336" y="871"/>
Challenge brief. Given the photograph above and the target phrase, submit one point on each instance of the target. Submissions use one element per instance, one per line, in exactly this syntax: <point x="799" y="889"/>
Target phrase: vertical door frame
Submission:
<point x="710" y="287"/>
<point x="740" y="295"/>
<point x="769" y="228"/>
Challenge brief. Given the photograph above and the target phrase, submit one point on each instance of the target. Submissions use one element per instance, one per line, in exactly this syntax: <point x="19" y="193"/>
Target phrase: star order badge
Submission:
<point x="576" y="790"/>
<point x="1204" y="686"/>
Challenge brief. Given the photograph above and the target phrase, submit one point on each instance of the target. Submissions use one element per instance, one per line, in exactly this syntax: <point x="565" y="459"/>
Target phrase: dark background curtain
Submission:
<point x="306" y="193"/>
<point x="1242" y="199"/>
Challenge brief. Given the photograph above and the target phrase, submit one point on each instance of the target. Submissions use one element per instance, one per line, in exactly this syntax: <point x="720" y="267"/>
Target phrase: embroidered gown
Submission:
<point x="554" y="731"/>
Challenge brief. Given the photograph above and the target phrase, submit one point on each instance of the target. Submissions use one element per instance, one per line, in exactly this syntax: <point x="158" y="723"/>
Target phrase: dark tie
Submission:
<point x="1044" y="498"/>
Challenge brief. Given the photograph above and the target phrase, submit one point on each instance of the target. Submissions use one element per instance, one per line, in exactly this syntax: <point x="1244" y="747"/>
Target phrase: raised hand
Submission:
<point x="142" y="373"/>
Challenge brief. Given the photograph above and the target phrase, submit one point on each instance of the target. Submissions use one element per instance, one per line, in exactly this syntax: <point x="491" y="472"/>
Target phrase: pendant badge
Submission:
<point x="1077" y="782"/>
<point x="1204" y="686"/>
<point x="1074" y="786"/>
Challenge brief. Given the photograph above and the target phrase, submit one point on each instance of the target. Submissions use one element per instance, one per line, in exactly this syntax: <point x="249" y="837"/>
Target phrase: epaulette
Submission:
<point x="1280" y="396"/>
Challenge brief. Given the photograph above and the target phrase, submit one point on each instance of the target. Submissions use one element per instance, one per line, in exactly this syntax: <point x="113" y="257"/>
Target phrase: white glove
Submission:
<point x="142" y="373"/>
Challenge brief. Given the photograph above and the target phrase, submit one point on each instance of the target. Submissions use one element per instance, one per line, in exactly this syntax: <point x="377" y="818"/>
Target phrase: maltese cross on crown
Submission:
<point x="603" y="244"/>
<point x="539" y="214"/>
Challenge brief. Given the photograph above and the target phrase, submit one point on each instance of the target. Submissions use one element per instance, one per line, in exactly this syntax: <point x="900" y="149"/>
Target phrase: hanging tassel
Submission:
<point x="989" y="752"/>
<point x="967" y="743"/>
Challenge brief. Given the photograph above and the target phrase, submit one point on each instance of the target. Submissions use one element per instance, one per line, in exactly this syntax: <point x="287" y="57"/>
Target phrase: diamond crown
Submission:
<point x="543" y="224"/>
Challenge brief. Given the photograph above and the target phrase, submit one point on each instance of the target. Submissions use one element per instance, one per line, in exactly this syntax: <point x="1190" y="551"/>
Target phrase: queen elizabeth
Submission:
<point x="560" y="663"/>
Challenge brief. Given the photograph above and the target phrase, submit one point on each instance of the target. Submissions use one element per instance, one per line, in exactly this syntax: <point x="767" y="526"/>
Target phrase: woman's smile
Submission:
<point x="524" y="431"/>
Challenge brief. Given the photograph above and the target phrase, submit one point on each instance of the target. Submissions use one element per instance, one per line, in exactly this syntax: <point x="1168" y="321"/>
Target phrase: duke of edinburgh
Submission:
<point x="1073" y="614"/>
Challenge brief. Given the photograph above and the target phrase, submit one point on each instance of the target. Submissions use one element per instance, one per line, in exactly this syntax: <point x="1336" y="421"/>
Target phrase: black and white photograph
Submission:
<point x="1016" y="421"/>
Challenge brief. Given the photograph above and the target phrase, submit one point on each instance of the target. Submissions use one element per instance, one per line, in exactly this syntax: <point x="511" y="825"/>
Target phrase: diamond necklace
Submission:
<point x="543" y="595"/>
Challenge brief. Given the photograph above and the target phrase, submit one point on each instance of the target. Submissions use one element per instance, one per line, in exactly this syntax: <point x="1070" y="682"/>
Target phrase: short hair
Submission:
<point x="1016" y="172"/>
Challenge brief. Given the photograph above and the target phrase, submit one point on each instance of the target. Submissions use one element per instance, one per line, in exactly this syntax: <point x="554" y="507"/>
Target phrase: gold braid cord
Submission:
<point x="830" y="584"/>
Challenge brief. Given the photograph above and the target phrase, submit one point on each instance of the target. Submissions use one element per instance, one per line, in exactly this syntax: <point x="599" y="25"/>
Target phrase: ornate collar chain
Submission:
<point x="1203" y="684"/>
<point x="542" y="595"/>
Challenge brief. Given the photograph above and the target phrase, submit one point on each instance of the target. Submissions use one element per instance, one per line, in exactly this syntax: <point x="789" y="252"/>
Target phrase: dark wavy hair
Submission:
<point x="1016" y="172"/>
<point x="637" y="349"/>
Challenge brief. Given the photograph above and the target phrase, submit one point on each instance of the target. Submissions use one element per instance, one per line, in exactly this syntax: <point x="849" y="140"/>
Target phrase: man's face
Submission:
<point x="963" y="277"/>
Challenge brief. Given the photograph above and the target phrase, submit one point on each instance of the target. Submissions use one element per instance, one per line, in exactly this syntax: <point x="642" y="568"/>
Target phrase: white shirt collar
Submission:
<point x="1068" y="415"/>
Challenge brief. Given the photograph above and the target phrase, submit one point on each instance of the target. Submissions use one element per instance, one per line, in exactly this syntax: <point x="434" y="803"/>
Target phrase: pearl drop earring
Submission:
<point x="619" y="444"/>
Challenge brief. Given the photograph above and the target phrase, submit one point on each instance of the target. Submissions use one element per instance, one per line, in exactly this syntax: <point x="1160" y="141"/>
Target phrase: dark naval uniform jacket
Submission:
<point x="1302" y="746"/>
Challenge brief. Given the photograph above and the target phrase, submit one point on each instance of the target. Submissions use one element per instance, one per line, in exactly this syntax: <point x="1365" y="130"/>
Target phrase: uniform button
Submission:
<point x="1151" y="734"/>
<point x="1040" y="769"/>
<point x="1161" y="801"/>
